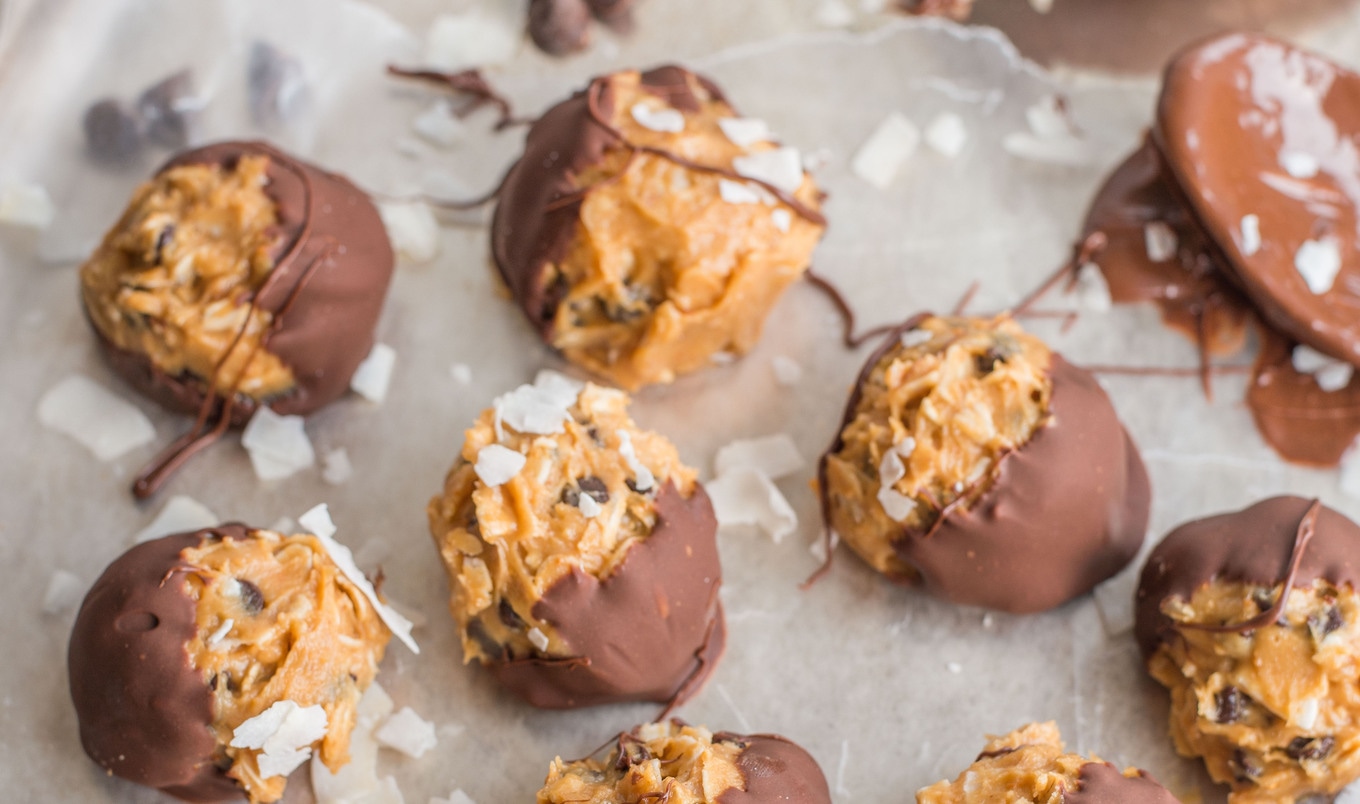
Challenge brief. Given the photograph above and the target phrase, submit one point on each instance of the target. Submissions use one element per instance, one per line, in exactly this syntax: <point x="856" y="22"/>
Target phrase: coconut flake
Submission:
<point x="774" y="456"/>
<point x="1114" y="602"/>
<point x="26" y="204"/>
<point x="896" y="505"/>
<point x="180" y="514"/>
<point x="737" y="192"/>
<point x="1329" y="373"/>
<point x="408" y="733"/>
<point x="221" y="632"/>
<point x="1298" y="164"/>
<point x="1160" y="240"/>
<point x="373" y="376"/>
<point x="947" y="134"/>
<point x="336" y="468"/>
<point x="1047" y="117"/>
<point x="744" y="131"/>
<point x="781" y="168"/>
<point x="412" y="227"/>
<point x="540" y="409"/>
<point x="1304" y="714"/>
<point x="1092" y="291"/>
<point x="98" y="419"/>
<point x="889" y="146"/>
<point x="1318" y="262"/>
<point x="375" y="706"/>
<point x="643" y="479"/>
<point x="787" y="371"/>
<point x="746" y="497"/>
<point x="537" y="638"/>
<point x="357" y="780"/>
<point x="64" y="591"/>
<point x="438" y="125"/>
<point x="476" y="39"/>
<point x="589" y="506"/>
<point x="318" y="522"/>
<point x="1066" y="150"/>
<point x="497" y="465"/>
<point x="278" y="445"/>
<point x="461" y="373"/>
<point x="669" y="121"/>
<point x="1251" y="235"/>
<point x="284" y="733"/>
<point x="782" y="219"/>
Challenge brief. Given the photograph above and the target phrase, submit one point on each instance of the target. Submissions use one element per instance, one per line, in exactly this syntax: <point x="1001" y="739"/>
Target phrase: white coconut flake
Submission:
<point x="64" y="591"/>
<point x="1298" y="164"/>
<point x="744" y="131"/>
<point x="896" y="505"/>
<point x="336" y="468"/>
<point x="834" y="14"/>
<point x="1092" y="291"/>
<point x="643" y="479"/>
<point x="497" y="465"/>
<point x="781" y="168"/>
<point x="461" y="373"/>
<point x="284" y="733"/>
<point x="954" y="667"/>
<point x="408" y="733"/>
<point x="747" y="497"/>
<point x="787" y="371"/>
<point x="589" y="506"/>
<point x="782" y="219"/>
<point x="180" y="514"/>
<point x="1305" y="714"/>
<point x="1114" y="602"/>
<point x="357" y="780"/>
<point x="885" y="151"/>
<point x="26" y="204"/>
<point x="947" y="134"/>
<point x="375" y="706"/>
<point x="412" y="228"/>
<point x="1251" y="235"/>
<point x="1066" y="150"/>
<point x="537" y="638"/>
<point x="737" y="192"/>
<point x="476" y="39"/>
<point x="278" y="445"/>
<point x="891" y="469"/>
<point x="1047" y="117"/>
<point x="669" y="121"/>
<point x="774" y="456"/>
<point x="374" y="376"/>
<point x="1329" y="373"/>
<point x="101" y="421"/>
<point x="439" y="126"/>
<point x="221" y="632"/>
<point x="722" y="358"/>
<point x="317" y="521"/>
<point x="1318" y="262"/>
<point x="1160" y="240"/>
<point x="540" y="409"/>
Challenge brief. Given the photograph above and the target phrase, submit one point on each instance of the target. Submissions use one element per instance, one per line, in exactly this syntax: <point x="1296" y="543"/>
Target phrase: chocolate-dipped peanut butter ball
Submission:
<point x="211" y="664"/>
<point x="974" y="461"/>
<point x="239" y="276"/>
<point x="648" y="228"/>
<point x="684" y="764"/>
<point x="1252" y="622"/>
<point x="1029" y="766"/>
<point x="581" y="552"/>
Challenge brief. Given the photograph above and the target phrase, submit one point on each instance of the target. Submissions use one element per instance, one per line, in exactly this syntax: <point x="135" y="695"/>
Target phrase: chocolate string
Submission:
<point x="846" y="312"/>
<point x="1302" y="537"/>
<point x="1085" y="251"/>
<point x="467" y="82"/>
<point x="966" y="299"/>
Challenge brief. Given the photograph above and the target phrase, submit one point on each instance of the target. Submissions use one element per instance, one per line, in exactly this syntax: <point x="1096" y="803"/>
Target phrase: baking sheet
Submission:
<point x="888" y="689"/>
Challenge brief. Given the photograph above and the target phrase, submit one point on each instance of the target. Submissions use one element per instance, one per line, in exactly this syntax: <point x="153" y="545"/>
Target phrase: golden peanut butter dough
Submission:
<point x="278" y="621"/>
<point x="1027" y="766"/>
<point x="671" y="762"/>
<point x="173" y="278"/>
<point x="1274" y="712"/>
<point x="934" y="416"/>
<point x="663" y="273"/>
<point x="584" y="495"/>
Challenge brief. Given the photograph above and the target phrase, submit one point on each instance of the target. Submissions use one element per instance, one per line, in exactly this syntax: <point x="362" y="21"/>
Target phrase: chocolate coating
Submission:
<point x="1101" y="783"/>
<point x="651" y="631"/>
<point x="145" y="714"/>
<point x="559" y="27"/>
<point x="1065" y="511"/>
<point x="775" y="769"/>
<point x="326" y="291"/>
<point x="1253" y="545"/>
<point x="1300" y="421"/>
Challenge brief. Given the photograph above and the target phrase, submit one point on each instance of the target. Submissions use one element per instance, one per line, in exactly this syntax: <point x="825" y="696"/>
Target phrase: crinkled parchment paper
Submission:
<point x="890" y="690"/>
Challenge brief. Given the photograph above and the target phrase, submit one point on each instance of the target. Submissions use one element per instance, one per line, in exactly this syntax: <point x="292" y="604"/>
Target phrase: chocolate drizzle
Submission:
<point x="467" y="82"/>
<point x="846" y="312"/>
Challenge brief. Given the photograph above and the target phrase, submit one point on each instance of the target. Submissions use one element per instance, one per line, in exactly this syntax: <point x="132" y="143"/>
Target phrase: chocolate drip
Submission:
<point x="467" y="82"/>
<point x="847" y="313"/>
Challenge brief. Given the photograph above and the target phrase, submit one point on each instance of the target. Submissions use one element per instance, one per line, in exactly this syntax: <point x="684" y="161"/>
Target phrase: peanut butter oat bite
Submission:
<point x="1249" y="619"/>
<point x="648" y="227"/>
<point x="581" y="552"/>
<point x="1029" y="766"/>
<point x="211" y="664"/>
<point x="976" y="462"/>
<point x="683" y="764"/>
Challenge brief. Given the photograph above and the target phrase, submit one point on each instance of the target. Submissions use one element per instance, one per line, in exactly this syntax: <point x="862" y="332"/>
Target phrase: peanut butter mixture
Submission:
<point x="663" y="273"/>
<point x="934" y="418"/>
<point x="1027" y="766"/>
<point x="664" y="762"/>
<point x="578" y="503"/>
<point x="277" y="621"/>
<point x="1275" y="712"/>
<point x="174" y="277"/>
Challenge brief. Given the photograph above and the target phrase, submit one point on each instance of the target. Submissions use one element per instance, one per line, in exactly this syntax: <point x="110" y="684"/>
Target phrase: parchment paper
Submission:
<point x="890" y="690"/>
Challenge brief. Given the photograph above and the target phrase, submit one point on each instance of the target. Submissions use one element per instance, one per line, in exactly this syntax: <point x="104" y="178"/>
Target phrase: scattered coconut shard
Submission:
<point x="211" y="664"/>
<point x="586" y="570"/>
<point x="888" y="147"/>
<point x="1030" y="764"/>
<point x="1252" y="622"/>
<point x="975" y="462"/>
<point x="238" y="278"/>
<point x="648" y="227"/>
<point x="98" y="419"/>
<point x="1218" y="219"/>
<point x="676" y="761"/>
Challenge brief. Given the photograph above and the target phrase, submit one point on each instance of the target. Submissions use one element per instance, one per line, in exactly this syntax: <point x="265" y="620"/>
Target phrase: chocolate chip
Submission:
<point x="559" y="27"/>
<point x="1323" y="623"/>
<point x="631" y="752"/>
<point x="1244" y="766"/>
<point x="1263" y="598"/>
<point x="212" y="682"/>
<point x="112" y="131"/>
<point x="494" y="650"/>
<point x="595" y="487"/>
<point x="166" y="110"/>
<point x="1309" y="748"/>
<point x="986" y="362"/>
<point x="1232" y="705"/>
<point x="162" y="241"/>
<point x="252" y="599"/>
<point x="276" y="85"/>
<point x="509" y="616"/>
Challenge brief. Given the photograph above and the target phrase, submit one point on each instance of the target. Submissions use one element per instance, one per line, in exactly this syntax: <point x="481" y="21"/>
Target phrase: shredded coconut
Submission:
<point x="744" y="496"/>
<point x="781" y="168"/>
<point x="1160" y="240"/>
<point x="180" y="514"/>
<point x="947" y="134"/>
<point x="373" y="376"/>
<point x="278" y="445"/>
<point x="537" y="637"/>
<point x="782" y="219"/>
<point x="737" y="192"/>
<point x="885" y="151"/>
<point x="284" y="733"/>
<point x="774" y="456"/>
<point x="1318" y="262"/>
<point x="643" y="479"/>
<point x="98" y="419"/>
<point x="335" y="467"/>
<point x="497" y="465"/>
<point x="1251" y="235"/>
<point x="412" y="227"/>
<point x="408" y="733"/>
<point x="744" y="131"/>
<point x="665" y="120"/>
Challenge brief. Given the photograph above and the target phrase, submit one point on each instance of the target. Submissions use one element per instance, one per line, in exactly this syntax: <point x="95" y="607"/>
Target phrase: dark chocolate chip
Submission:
<point x="632" y="751"/>
<point x="212" y="682"/>
<point x="559" y="27"/>
<point x="509" y="616"/>
<point x="571" y="496"/>
<point x="494" y="650"/>
<point x="1232" y="705"/>
<point x="1244" y="766"/>
<point x="162" y="242"/>
<point x="252" y="599"/>
<point x="1263" y="598"/>
<point x="167" y="112"/>
<point x="112" y="131"/>
<point x="1324" y="623"/>
<point x="595" y="487"/>
<point x="1309" y="748"/>
<point x="986" y="362"/>
<point x="276" y="85"/>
